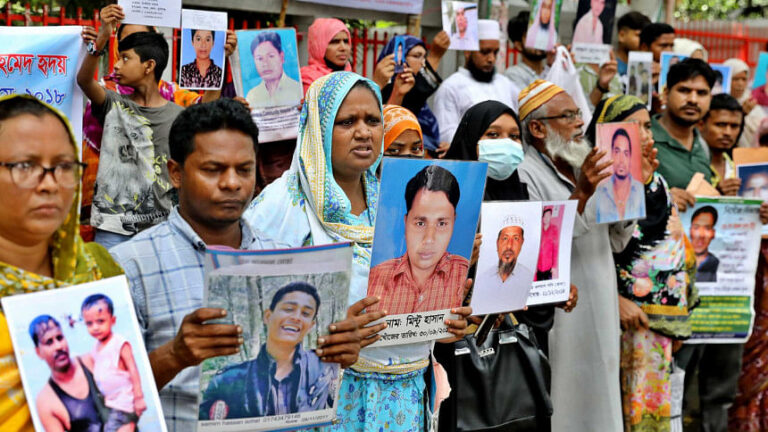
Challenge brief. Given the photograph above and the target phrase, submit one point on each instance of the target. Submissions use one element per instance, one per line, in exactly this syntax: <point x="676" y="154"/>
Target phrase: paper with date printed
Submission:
<point x="552" y="282"/>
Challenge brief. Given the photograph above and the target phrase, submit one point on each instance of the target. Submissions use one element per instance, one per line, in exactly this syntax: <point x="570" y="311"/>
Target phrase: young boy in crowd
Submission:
<point x="133" y="190"/>
<point x="629" y="27"/>
<point x="114" y="367"/>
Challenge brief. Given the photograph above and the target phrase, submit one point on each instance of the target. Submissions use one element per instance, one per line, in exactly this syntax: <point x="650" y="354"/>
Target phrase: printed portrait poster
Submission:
<point x="413" y="7"/>
<point x="725" y="235"/>
<point x="265" y="71"/>
<point x="460" y="22"/>
<point x="754" y="183"/>
<point x="639" y="76"/>
<point x="284" y="300"/>
<point x="552" y="277"/>
<point x="508" y="255"/>
<point x="425" y="228"/>
<point x="723" y="76"/>
<point x="43" y="62"/>
<point x="158" y="13"/>
<point x="84" y="339"/>
<point x="203" y="35"/>
<point x="543" y="24"/>
<point x="593" y="30"/>
<point x="622" y="195"/>
<point x="761" y="70"/>
<point x="667" y="60"/>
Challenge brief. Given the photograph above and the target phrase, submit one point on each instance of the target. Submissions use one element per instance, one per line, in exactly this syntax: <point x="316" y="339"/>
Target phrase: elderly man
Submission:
<point x="476" y="82"/>
<point x="584" y="345"/>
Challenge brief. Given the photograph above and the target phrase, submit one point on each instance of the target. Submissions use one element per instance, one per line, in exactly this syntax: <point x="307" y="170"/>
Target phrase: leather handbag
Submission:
<point x="499" y="386"/>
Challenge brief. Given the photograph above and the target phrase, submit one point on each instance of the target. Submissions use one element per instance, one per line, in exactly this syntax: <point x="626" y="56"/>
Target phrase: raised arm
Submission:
<point x="110" y="17"/>
<point x="126" y="355"/>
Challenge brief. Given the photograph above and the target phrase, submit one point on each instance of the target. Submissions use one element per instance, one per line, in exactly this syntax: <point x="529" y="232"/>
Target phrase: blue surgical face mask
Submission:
<point x="502" y="155"/>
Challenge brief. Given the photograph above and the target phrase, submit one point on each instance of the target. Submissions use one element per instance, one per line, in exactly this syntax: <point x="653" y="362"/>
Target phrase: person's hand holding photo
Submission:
<point x="349" y="336"/>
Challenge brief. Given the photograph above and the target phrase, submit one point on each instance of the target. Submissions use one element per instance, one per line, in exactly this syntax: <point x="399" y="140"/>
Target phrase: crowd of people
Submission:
<point x="166" y="173"/>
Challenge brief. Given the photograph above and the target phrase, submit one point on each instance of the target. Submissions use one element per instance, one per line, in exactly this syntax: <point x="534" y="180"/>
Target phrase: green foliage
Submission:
<point x="720" y="9"/>
<point x="54" y="6"/>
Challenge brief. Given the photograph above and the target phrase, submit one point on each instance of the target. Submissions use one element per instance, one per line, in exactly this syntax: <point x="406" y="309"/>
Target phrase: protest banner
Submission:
<point x="752" y="169"/>
<point x="159" y="13"/>
<point x="622" y="195"/>
<point x="86" y="328"/>
<point x="552" y="281"/>
<point x="508" y="256"/>
<point x="284" y="300"/>
<point x="265" y="71"/>
<point x="398" y="6"/>
<point x="203" y="35"/>
<point x="725" y="235"/>
<point x="43" y="62"/>
<point x="426" y="222"/>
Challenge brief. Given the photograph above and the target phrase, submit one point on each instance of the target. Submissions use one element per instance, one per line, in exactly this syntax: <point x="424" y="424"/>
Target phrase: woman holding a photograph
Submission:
<point x="202" y="72"/>
<point x="329" y="195"/>
<point x="40" y="244"/>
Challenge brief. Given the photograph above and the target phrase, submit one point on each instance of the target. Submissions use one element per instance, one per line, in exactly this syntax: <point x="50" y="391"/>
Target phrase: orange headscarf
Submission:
<point x="396" y="121"/>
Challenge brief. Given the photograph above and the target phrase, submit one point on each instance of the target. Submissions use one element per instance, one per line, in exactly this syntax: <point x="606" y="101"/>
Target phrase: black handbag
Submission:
<point x="500" y="386"/>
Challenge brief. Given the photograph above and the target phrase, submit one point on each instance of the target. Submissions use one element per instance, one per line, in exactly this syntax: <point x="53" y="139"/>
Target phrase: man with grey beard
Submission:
<point x="584" y="345"/>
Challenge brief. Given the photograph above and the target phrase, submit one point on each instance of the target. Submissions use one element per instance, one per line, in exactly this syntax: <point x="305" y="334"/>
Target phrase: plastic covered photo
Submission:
<point x="202" y="59"/>
<point x="543" y="25"/>
<point x="594" y="21"/>
<point x="277" y="379"/>
<point x="82" y="359"/>
<point x="508" y="255"/>
<point x="622" y="195"/>
<point x="269" y="64"/>
<point x="460" y="22"/>
<point x="639" y="76"/>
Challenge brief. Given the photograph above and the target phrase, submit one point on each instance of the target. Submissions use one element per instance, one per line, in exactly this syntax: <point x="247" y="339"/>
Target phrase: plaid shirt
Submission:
<point x="165" y="270"/>
<point x="392" y="282"/>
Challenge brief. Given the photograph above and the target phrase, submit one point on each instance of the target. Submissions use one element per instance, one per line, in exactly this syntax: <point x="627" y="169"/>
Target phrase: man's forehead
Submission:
<point x="697" y="83"/>
<point x="561" y="102"/>
<point x="47" y="330"/>
<point x="299" y="297"/>
<point x="511" y="230"/>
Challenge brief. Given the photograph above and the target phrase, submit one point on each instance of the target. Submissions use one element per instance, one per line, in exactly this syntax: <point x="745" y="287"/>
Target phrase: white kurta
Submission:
<point x="460" y="91"/>
<point x="584" y="344"/>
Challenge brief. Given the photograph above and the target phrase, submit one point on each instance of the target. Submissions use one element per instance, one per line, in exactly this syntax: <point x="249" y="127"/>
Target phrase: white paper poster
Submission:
<point x="160" y="13"/>
<point x="552" y="283"/>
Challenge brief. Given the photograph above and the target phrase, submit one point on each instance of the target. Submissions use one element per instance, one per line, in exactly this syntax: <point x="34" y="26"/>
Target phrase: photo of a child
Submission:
<point x="114" y="367"/>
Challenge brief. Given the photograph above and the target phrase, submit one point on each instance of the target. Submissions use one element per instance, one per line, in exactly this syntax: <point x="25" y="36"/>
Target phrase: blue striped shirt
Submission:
<point x="165" y="270"/>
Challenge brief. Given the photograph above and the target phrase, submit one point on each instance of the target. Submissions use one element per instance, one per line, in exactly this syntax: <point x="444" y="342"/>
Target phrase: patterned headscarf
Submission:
<point x="396" y="121"/>
<point x="613" y="109"/>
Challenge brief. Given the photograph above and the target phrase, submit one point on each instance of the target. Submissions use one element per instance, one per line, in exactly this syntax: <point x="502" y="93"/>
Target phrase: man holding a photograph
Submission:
<point x="621" y="197"/>
<point x="426" y="277"/>
<point x="276" y="87"/>
<point x="508" y="279"/>
<point x="68" y="400"/>
<point x="284" y="378"/>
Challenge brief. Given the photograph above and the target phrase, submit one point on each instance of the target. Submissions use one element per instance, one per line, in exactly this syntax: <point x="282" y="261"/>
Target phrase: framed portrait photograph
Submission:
<point x="622" y="195"/>
<point x="82" y="359"/>
<point x="203" y="35"/>
<point x="284" y="301"/>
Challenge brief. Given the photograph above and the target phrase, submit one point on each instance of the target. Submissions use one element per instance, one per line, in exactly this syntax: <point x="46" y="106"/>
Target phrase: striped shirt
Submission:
<point x="165" y="270"/>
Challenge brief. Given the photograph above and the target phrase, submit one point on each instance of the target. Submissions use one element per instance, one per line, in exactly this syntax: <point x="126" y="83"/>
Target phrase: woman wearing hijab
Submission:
<point x="402" y="133"/>
<point x="329" y="195"/>
<point x="413" y="95"/>
<point x="740" y="90"/>
<point x="690" y="48"/>
<point x="654" y="273"/>
<point x="329" y="50"/>
<point x="40" y="244"/>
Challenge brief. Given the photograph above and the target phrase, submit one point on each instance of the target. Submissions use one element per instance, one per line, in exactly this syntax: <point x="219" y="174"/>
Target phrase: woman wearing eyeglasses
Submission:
<point x="40" y="244"/>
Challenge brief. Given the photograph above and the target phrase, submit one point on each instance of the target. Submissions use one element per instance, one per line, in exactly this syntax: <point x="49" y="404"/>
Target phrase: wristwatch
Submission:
<point x="601" y="89"/>
<point x="91" y="48"/>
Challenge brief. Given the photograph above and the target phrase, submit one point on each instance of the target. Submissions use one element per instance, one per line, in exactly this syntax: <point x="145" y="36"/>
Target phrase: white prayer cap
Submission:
<point x="513" y="221"/>
<point x="488" y="30"/>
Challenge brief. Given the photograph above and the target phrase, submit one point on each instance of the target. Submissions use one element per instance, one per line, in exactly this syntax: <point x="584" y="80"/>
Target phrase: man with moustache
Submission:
<point x="426" y="277"/>
<point x="622" y="197"/>
<point x="476" y="82"/>
<point x="532" y="62"/>
<point x="681" y="151"/>
<point x="720" y="129"/>
<point x="560" y="165"/>
<point x="284" y="378"/>
<point x="508" y="281"/>
<point x="68" y="400"/>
